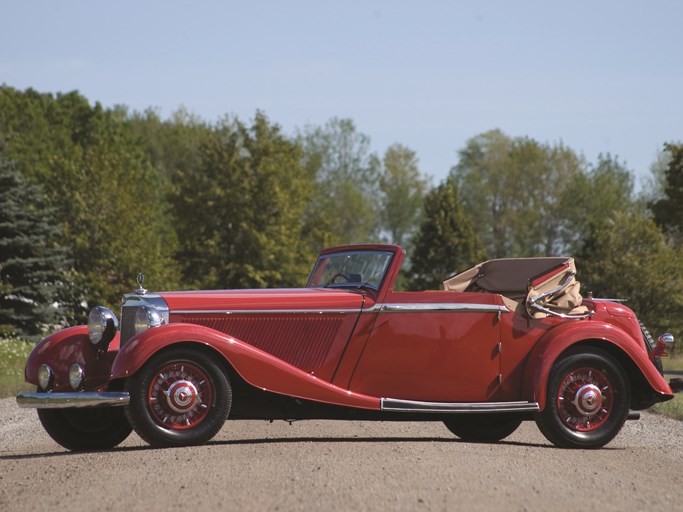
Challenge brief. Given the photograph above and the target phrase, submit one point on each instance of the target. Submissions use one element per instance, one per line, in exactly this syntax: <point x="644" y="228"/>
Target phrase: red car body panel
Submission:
<point x="556" y="341"/>
<point x="306" y="328"/>
<point x="312" y="299"/>
<point x="456" y="349"/>
<point x="256" y="367"/>
<point x="353" y="347"/>
<point x="72" y="346"/>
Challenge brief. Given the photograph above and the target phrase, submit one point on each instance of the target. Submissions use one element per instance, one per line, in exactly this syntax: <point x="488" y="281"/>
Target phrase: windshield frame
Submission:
<point x="315" y="279"/>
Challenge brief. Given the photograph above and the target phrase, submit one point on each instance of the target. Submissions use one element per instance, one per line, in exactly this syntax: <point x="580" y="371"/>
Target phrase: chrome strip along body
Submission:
<point x="71" y="400"/>
<point x="433" y="307"/>
<point x="396" y="405"/>
<point x="383" y="308"/>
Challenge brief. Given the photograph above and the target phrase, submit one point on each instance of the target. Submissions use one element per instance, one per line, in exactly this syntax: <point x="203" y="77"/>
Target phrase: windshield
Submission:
<point x="350" y="269"/>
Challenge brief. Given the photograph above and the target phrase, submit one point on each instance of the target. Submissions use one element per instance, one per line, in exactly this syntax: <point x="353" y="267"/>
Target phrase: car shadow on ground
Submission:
<point x="289" y="440"/>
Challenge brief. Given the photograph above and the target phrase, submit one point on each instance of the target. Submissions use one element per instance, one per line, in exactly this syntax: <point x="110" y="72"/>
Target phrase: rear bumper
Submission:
<point x="72" y="400"/>
<point x="676" y="384"/>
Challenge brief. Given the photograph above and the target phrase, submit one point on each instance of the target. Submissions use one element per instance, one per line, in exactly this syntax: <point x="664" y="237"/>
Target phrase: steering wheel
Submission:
<point x="339" y="274"/>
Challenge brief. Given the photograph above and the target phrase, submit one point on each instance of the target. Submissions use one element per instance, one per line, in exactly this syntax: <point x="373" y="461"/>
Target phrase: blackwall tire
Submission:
<point x="482" y="428"/>
<point x="86" y="429"/>
<point x="180" y="397"/>
<point x="587" y="400"/>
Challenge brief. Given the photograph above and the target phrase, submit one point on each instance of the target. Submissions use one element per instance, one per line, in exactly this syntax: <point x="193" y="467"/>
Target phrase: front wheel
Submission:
<point x="482" y="428"/>
<point x="587" y="400"/>
<point x="87" y="429"/>
<point x="180" y="397"/>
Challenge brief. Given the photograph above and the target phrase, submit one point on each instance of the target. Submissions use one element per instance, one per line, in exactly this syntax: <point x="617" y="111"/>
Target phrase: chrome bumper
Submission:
<point x="70" y="400"/>
<point x="676" y="385"/>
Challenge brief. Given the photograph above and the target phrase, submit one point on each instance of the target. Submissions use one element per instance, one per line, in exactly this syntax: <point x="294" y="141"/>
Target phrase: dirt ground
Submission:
<point x="328" y="465"/>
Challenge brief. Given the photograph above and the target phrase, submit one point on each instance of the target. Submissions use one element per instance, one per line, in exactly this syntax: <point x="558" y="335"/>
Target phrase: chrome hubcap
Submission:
<point x="182" y="396"/>
<point x="588" y="400"/>
<point x="584" y="399"/>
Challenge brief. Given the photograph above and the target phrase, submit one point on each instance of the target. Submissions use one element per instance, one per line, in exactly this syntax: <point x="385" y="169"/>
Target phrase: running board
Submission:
<point x="396" y="405"/>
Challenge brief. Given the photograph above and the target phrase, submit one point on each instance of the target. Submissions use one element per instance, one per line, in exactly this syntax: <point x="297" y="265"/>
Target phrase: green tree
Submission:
<point x="116" y="222"/>
<point x="172" y="145"/>
<point x="512" y="188"/>
<point x="627" y="257"/>
<point x="343" y="206"/>
<point x="446" y="241"/>
<point x="240" y="215"/>
<point x="402" y="190"/>
<point x="593" y="196"/>
<point x="668" y="211"/>
<point x="33" y="264"/>
<point x="655" y="183"/>
<point x="105" y="194"/>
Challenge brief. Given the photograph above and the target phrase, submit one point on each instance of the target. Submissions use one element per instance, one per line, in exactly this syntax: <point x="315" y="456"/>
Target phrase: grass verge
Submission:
<point x="13" y="355"/>
<point x="672" y="408"/>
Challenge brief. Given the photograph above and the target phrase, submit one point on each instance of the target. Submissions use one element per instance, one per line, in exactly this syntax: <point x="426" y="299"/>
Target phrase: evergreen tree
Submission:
<point x="108" y="198"/>
<point x="446" y="241"/>
<point x="33" y="264"/>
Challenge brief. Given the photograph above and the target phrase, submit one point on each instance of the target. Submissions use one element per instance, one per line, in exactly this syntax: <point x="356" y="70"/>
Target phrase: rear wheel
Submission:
<point x="179" y="397"/>
<point x="484" y="428"/>
<point x="86" y="429"/>
<point x="587" y="400"/>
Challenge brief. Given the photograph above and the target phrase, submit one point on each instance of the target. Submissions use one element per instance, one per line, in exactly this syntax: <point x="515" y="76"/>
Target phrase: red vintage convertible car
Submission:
<point x="506" y="341"/>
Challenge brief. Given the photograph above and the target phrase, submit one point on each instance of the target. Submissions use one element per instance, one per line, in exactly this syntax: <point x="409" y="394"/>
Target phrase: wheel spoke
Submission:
<point x="178" y="395"/>
<point x="584" y="399"/>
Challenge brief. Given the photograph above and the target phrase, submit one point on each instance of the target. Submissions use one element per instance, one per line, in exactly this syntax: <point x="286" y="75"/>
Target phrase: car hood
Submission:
<point x="295" y="299"/>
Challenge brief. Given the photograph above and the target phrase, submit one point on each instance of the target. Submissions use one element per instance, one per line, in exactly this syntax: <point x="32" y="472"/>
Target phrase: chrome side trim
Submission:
<point x="427" y="308"/>
<point x="384" y="308"/>
<point x="262" y="311"/>
<point x="397" y="405"/>
<point x="72" y="400"/>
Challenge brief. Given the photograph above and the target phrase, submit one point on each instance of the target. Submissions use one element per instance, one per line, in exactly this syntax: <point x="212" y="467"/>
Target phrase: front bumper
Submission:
<point x="72" y="400"/>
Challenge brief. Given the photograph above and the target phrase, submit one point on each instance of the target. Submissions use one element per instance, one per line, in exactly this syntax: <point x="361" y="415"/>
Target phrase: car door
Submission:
<point x="433" y="346"/>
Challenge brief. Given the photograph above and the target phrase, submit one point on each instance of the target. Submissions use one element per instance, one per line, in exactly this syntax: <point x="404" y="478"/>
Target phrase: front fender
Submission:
<point x="556" y="341"/>
<point x="256" y="367"/>
<point x="66" y="347"/>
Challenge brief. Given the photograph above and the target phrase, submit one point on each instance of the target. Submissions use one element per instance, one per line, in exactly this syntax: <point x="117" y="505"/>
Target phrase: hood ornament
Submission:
<point x="141" y="279"/>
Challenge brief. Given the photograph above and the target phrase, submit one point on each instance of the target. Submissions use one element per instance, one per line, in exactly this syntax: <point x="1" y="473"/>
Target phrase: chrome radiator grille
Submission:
<point x="131" y="304"/>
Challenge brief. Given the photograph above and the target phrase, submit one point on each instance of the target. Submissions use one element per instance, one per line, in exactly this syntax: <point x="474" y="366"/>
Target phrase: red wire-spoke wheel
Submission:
<point x="587" y="399"/>
<point x="180" y="397"/>
<point x="584" y="400"/>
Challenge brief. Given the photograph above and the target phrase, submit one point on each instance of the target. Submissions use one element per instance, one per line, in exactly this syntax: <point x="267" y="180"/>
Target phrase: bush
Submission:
<point x="13" y="355"/>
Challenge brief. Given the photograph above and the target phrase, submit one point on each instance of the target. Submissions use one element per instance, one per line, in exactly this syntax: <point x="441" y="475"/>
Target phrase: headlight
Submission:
<point x="76" y="376"/>
<point x="102" y="326"/>
<point x="146" y="318"/>
<point x="44" y="376"/>
<point x="667" y="338"/>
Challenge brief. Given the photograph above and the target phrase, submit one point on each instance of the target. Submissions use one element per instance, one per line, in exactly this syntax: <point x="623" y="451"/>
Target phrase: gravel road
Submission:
<point x="328" y="465"/>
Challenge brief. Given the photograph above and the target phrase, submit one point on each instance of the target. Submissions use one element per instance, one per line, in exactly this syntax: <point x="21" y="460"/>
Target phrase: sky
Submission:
<point x="598" y="76"/>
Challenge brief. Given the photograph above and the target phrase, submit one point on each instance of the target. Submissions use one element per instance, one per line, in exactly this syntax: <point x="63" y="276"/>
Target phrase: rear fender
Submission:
<point x="555" y="342"/>
<point x="256" y="367"/>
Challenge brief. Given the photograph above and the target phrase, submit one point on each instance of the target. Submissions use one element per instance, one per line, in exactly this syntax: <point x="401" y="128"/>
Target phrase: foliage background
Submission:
<point x="239" y="203"/>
